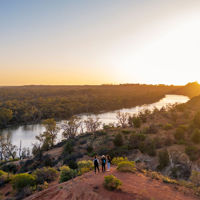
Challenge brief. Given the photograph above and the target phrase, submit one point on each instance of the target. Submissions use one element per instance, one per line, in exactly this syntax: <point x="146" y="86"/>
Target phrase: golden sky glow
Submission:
<point x="96" y="42"/>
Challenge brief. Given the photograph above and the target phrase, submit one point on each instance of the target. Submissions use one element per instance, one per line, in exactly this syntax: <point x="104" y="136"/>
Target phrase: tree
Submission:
<point x="2" y="147"/>
<point x="92" y="124"/>
<point x="134" y="121"/>
<point x="10" y="149"/>
<point x="5" y="116"/>
<point x="48" y="137"/>
<point x="122" y="119"/>
<point x="71" y="127"/>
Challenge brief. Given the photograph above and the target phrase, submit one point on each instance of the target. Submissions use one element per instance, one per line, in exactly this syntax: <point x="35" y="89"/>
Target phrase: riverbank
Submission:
<point x="27" y="133"/>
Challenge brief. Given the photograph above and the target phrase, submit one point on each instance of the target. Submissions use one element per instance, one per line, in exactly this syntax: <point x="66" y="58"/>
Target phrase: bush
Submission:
<point x="196" y="136"/>
<point x="74" y="156"/>
<point x="47" y="161"/>
<point x="195" y="178"/>
<point x="111" y="182"/>
<point x="148" y="147"/>
<point x="192" y="152"/>
<point x="126" y="166"/>
<point x="68" y="147"/>
<point x="21" y="181"/>
<point x="118" y="140"/>
<point x="135" y="140"/>
<point x="163" y="159"/>
<point x="83" y="170"/>
<point x="72" y="164"/>
<point x="117" y="160"/>
<point x="3" y="178"/>
<point x="43" y="186"/>
<point x="89" y="149"/>
<point x="85" y="164"/>
<point x="180" y="134"/>
<point x="126" y="131"/>
<point x="136" y="122"/>
<point x="47" y="174"/>
<point x="196" y="120"/>
<point x="151" y="129"/>
<point x="167" y="126"/>
<point x="67" y="173"/>
<point x="100" y="133"/>
<point x="9" y="168"/>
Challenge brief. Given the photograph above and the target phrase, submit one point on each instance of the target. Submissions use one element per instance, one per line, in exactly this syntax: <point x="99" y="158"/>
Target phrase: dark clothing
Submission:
<point x="96" y="167"/>
<point x="103" y="167"/>
<point x="103" y="163"/>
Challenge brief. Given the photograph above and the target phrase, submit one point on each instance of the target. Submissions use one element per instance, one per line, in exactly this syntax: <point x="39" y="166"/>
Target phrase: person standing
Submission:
<point x="108" y="162"/>
<point x="103" y="163"/>
<point x="96" y="164"/>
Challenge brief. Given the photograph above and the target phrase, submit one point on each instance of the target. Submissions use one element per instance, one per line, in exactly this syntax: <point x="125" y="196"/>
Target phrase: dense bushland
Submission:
<point x="29" y="104"/>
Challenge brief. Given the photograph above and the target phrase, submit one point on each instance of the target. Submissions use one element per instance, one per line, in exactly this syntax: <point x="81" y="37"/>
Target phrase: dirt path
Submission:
<point x="135" y="187"/>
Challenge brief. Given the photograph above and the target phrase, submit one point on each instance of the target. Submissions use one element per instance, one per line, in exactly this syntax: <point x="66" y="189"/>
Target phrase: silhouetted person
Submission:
<point x="108" y="162"/>
<point x="96" y="164"/>
<point x="103" y="163"/>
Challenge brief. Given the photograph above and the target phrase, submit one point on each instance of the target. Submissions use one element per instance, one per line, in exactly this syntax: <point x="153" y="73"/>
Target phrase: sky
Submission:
<point x="78" y="42"/>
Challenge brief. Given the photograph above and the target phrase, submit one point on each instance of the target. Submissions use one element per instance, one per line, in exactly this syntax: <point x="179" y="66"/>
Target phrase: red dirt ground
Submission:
<point x="135" y="187"/>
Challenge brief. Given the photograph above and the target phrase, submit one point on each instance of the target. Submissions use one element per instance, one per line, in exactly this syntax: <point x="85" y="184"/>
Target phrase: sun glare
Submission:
<point x="173" y="52"/>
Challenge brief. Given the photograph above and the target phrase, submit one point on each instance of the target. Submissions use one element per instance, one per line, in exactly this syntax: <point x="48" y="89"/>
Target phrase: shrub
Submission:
<point x="196" y="120"/>
<point x="68" y="147"/>
<point x="83" y="141"/>
<point x="151" y="129"/>
<point x="85" y="164"/>
<point x="166" y="179"/>
<point x="3" y="178"/>
<point x="89" y="149"/>
<point x="196" y="136"/>
<point x="111" y="182"/>
<point x="47" y="161"/>
<point x="42" y="186"/>
<point x="167" y="126"/>
<point x="100" y="133"/>
<point x="163" y="159"/>
<point x="67" y="173"/>
<point x="118" y="140"/>
<point x="117" y="160"/>
<point x="159" y="142"/>
<point x="9" y="168"/>
<point x="20" y="181"/>
<point x="84" y="170"/>
<point x="195" y="178"/>
<point x="180" y="134"/>
<point x="47" y="174"/>
<point x="136" y="122"/>
<point x="148" y="148"/>
<point x="192" y="152"/>
<point x="73" y="156"/>
<point x="126" y="131"/>
<point x="126" y="166"/>
<point x="72" y="164"/>
<point x="135" y="140"/>
<point x="102" y="151"/>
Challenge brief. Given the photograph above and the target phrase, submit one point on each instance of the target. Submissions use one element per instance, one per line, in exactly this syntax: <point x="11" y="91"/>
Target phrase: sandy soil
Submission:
<point x="135" y="187"/>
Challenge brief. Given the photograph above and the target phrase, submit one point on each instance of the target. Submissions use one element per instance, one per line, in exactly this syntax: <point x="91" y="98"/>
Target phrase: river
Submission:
<point x="27" y="133"/>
